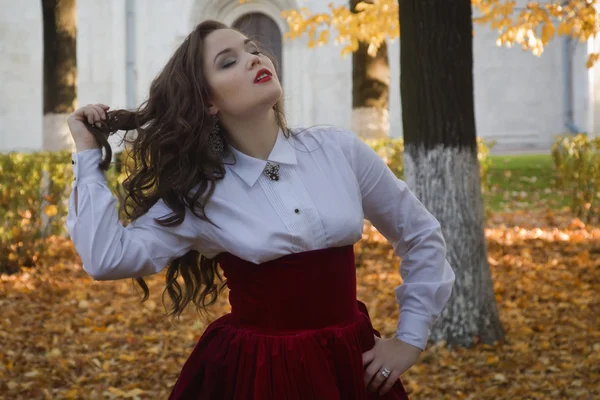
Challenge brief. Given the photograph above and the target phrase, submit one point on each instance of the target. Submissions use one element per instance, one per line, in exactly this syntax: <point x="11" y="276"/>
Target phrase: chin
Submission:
<point x="267" y="99"/>
<point x="276" y="94"/>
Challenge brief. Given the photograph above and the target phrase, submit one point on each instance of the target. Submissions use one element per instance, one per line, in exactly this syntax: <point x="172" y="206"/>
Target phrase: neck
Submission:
<point x="254" y="136"/>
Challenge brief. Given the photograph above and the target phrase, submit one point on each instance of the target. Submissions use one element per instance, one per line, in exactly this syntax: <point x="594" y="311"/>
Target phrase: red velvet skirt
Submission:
<point x="295" y="331"/>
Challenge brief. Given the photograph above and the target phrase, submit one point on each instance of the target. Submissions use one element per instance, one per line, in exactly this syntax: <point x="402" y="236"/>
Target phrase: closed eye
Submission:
<point x="229" y="64"/>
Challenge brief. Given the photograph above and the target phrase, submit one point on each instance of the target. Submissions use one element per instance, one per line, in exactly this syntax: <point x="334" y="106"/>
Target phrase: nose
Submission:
<point x="254" y="60"/>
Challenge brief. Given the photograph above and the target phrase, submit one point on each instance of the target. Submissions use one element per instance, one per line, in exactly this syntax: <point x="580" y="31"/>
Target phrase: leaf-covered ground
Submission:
<point x="64" y="336"/>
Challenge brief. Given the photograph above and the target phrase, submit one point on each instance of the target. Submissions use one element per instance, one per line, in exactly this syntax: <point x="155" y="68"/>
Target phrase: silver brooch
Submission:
<point x="272" y="171"/>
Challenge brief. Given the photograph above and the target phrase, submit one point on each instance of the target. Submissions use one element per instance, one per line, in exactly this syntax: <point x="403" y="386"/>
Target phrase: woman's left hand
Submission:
<point x="394" y="355"/>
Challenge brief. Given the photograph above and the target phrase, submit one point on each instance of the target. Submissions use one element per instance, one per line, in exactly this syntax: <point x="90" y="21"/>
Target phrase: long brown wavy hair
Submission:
<point x="170" y="160"/>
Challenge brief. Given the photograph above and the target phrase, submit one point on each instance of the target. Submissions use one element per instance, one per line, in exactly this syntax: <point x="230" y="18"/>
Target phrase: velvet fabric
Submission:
<point x="295" y="331"/>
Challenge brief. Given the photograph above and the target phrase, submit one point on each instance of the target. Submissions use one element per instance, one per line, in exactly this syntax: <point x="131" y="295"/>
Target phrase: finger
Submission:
<point x="371" y="371"/>
<point x="377" y="381"/>
<point x="96" y="115"/>
<point x="76" y="116"/>
<point x="101" y="113"/>
<point x="89" y="114"/>
<point x="103" y="109"/>
<point x="389" y="382"/>
<point x="367" y="357"/>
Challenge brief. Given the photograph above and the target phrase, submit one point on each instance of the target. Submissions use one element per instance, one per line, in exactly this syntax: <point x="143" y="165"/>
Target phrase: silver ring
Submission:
<point x="385" y="372"/>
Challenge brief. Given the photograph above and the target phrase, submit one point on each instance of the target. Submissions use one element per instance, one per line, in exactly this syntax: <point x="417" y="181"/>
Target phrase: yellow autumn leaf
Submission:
<point x="115" y="391"/>
<point x="127" y="357"/>
<point x="547" y="32"/>
<point x="592" y="59"/>
<point x="372" y="50"/>
<point x="134" y="393"/>
<point x="323" y="38"/>
<point x="51" y="210"/>
<point x="565" y="28"/>
<point x="54" y="353"/>
<point x="546" y="345"/>
<point x="493" y="360"/>
<point x="72" y="394"/>
<point x="362" y="6"/>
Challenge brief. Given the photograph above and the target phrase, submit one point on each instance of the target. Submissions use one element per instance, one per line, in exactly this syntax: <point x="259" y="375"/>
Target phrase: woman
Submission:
<point x="220" y="179"/>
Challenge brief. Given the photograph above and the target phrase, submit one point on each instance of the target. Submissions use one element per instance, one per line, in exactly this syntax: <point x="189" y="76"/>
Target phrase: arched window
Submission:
<point x="261" y="27"/>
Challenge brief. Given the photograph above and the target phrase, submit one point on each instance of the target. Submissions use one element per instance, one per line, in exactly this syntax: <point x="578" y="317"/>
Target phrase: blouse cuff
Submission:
<point x="85" y="166"/>
<point x="413" y="329"/>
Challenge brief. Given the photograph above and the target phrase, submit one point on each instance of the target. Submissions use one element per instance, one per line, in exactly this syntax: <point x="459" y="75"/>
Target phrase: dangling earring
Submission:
<point x="215" y="141"/>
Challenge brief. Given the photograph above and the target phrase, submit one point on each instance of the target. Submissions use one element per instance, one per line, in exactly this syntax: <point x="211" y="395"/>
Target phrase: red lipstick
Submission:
<point x="263" y="75"/>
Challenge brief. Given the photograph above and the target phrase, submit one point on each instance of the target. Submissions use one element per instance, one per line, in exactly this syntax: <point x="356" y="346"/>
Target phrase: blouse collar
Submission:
<point x="249" y="168"/>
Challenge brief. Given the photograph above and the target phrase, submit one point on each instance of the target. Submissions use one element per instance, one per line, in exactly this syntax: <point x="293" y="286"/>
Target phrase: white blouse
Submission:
<point x="329" y="181"/>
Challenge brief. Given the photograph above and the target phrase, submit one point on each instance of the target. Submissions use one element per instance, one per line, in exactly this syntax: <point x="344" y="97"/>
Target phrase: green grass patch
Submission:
<point x="523" y="182"/>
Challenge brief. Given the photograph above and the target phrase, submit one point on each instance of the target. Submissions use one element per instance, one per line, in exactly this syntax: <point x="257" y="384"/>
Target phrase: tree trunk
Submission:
<point x="441" y="166"/>
<point x="60" y="71"/>
<point x="370" y="89"/>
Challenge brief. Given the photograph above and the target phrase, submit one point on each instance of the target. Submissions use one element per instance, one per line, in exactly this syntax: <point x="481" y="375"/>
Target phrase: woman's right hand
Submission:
<point x="83" y="138"/>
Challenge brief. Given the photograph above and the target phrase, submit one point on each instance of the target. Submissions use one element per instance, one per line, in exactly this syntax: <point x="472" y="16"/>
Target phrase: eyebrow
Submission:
<point x="230" y="49"/>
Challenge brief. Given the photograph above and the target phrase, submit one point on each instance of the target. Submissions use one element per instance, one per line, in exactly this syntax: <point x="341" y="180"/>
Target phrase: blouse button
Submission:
<point x="297" y="211"/>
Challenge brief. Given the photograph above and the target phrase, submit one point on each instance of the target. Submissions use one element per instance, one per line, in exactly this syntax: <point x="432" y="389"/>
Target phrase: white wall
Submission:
<point x="327" y="78"/>
<point x="161" y="27"/>
<point x="20" y="76"/>
<point x="395" y="104"/>
<point x="594" y="90"/>
<point x="101" y="52"/>
<point x="518" y="97"/>
<point x="581" y="81"/>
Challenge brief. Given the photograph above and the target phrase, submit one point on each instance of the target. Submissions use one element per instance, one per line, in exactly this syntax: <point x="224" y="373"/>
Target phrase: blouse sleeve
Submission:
<point x="108" y="250"/>
<point x="416" y="237"/>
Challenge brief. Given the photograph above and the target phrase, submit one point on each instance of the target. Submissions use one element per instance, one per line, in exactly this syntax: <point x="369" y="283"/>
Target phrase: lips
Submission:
<point x="263" y="75"/>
